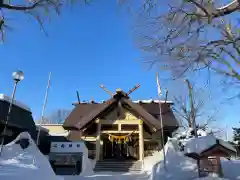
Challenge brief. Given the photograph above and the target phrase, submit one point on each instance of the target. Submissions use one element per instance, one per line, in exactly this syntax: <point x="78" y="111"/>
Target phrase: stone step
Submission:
<point x="117" y="170"/>
<point x="118" y="166"/>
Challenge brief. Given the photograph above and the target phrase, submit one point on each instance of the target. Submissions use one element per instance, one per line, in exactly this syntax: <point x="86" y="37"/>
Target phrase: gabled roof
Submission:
<point x="83" y="114"/>
<point x="205" y="145"/>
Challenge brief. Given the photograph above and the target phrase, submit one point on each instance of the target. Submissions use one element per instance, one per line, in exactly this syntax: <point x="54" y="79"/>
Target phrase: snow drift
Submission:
<point x="87" y="164"/>
<point x="178" y="166"/>
<point x="24" y="161"/>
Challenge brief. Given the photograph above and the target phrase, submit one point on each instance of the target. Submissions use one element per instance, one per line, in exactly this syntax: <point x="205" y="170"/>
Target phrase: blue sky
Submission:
<point x="87" y="46"/>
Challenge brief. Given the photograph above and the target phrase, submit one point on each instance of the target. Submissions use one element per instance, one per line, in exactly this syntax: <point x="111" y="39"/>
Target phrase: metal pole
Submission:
<point x="43" y="108"/>
<point x="162" y="132"/>
<point x="8" y="116"/>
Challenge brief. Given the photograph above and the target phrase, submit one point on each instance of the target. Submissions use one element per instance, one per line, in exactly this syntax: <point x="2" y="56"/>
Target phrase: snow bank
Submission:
<point x="87" y="164"/>
<point x="25" y="164"/>
<point x="178" y="166"/>
<point x="211" y="178"/>
<point x="150" y="161"/>
<point x="231" y="168"/>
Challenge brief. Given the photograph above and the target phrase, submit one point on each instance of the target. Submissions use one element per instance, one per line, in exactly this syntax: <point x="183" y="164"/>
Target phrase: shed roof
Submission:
<point x="20" y="118"/>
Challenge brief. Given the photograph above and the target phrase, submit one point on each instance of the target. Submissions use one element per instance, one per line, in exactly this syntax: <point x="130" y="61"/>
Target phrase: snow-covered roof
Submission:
<point x="16" y="103"/>
<point x="147" y="101"/>
<point x="152" y="101"/>
<point x="199" y="145"/>
<point x="47" y="124"/>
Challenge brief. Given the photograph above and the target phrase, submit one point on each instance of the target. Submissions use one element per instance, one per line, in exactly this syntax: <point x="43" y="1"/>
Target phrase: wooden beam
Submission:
<point x="127" y="132"/>
<point x="120" y="121"/>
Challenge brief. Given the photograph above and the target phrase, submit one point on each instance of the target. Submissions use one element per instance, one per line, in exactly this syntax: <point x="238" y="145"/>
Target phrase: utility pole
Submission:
<point x="44" y="106"/>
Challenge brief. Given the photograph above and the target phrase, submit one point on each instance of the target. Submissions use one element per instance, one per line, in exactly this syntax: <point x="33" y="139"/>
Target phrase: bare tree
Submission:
<point x="191" y="109"/>
<point x="39" y="10"/>
<point x="191" y="35"/>
<point x="56" y="117"/>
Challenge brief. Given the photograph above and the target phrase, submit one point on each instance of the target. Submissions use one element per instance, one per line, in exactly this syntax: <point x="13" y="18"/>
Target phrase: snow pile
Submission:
<point x="87" y="164"/>
<point x="231" y="168"/>
<point x="198" y="145"/>
<point x="211" y="178"/>
<point x="189" y="133"/>
<point x="178" y="166"/>
<point x="150" y="161"/>
<point x="25" y="163"/>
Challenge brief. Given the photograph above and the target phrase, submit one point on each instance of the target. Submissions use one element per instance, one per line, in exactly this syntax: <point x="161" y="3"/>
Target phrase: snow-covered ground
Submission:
<point x="28" y="163"/>
<point x="180" y="167"/>
<point x="109" y="176"/>
<point x="24" y="164"/>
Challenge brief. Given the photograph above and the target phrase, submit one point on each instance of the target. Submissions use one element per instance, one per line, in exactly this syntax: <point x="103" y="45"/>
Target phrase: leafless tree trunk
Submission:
<point x="190" y="109"/>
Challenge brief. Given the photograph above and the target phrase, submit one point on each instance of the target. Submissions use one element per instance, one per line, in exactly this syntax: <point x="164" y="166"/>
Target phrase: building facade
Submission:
<point x="20" y="119"/>
<point x="120" y="128"/>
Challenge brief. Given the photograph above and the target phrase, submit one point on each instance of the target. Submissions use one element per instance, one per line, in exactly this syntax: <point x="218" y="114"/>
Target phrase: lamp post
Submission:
<point x="17" y="77"/>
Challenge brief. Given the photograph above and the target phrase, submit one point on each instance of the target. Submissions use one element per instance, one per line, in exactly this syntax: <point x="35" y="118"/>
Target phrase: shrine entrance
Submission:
<point x="116" y="147"/>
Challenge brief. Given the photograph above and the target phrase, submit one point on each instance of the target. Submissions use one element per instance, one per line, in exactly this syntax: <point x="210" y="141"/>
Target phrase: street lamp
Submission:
<point x="17" y="77"/>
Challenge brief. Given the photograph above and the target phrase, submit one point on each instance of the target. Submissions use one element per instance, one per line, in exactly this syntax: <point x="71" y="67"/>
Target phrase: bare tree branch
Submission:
<point x="192" y="111"/>
<point x="38" y="9"/>
<point x="193" y="35"/>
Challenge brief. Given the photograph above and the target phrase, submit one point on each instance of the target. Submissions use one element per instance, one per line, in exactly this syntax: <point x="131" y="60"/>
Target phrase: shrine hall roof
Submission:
<point x="149" y="111"/>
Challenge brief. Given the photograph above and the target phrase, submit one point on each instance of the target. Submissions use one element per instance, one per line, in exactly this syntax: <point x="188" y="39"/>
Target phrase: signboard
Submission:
<point x="67" y="147"/>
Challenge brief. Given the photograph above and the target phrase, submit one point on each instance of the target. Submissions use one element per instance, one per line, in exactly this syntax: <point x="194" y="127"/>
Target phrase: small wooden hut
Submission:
<point x="210" y="158"/>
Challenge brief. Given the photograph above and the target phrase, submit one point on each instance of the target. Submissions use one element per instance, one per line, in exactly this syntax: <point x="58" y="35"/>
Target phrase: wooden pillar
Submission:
<point x="98" y="141"/>
<point x="141" y="141"/>
<point x="119" y="127"/>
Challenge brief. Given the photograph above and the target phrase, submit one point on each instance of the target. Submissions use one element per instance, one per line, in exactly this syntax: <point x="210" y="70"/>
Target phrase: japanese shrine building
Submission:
<point x="120" y="128"/>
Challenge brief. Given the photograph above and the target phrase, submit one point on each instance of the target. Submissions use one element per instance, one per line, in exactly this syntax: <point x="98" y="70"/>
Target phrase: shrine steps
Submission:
<point x="114" y="165"/>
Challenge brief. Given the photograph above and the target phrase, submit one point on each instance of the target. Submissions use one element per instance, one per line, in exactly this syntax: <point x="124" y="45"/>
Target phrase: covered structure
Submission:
<point x="20" y="120"/>
<point x="120" y="128"/>
<point x="208" y="150"/>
